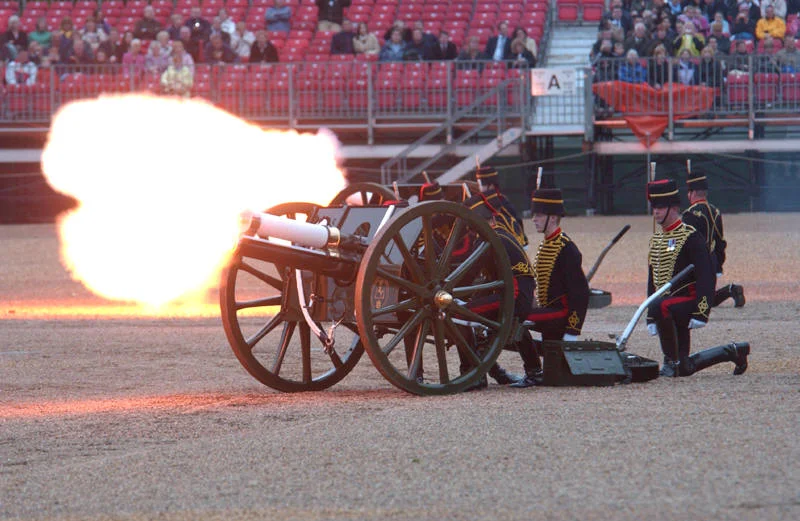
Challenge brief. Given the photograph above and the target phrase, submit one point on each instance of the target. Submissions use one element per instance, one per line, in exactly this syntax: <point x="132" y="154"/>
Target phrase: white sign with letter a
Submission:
<point x="553" y="82"/>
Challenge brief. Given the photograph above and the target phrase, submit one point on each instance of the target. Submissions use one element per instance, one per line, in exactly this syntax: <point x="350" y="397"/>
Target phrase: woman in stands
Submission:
<point x="632" y="70"/>
<point x="685" y="71"/>
<point x="520" y="56"/>
<point x="709" y="69"/>
<point x="365" y="42"/>
<point x="658" y="71"/>
<point x="530" y="44"/>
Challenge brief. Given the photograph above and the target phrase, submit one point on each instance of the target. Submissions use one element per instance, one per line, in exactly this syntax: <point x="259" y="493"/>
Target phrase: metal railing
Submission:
<point x="285" y="94"/>
<point x="748" y="90"/>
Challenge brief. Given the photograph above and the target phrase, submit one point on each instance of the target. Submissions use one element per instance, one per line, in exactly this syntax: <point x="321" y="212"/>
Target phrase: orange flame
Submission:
<point x="161" y="183"/>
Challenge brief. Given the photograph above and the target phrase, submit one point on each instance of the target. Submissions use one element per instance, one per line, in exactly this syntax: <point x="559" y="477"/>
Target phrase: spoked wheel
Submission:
<point x="363" y="194"/>
<point x="416" y="289"/>
<point x="266" y="329"/>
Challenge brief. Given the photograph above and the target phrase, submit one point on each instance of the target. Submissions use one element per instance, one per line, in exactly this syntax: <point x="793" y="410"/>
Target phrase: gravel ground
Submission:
<point x="104" y="416"/>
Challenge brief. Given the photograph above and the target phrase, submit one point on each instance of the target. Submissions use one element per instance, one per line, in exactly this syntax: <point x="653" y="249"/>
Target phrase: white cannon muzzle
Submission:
<point x="305" y="234"/>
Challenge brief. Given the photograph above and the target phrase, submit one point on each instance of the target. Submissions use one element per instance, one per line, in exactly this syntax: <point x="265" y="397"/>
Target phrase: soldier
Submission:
<point x="489" y="182"/>
<point x="706" y="219"/>
<point x="673" y="315"/>
<point x="562" y="292"/>
<point x="523" y="289"/>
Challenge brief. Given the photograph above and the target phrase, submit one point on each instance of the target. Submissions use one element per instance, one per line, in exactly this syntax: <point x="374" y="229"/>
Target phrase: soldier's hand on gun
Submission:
<point x="652" y="329"/>
<point x="696" y="324"/>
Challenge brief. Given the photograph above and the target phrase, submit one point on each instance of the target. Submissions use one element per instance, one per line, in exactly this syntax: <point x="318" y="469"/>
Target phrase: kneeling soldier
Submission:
<point x="562" y="292"/>
<point x="673" y="315"/>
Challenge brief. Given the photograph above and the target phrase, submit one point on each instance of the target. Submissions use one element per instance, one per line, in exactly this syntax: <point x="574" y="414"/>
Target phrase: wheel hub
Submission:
<point x="442" y="299"/>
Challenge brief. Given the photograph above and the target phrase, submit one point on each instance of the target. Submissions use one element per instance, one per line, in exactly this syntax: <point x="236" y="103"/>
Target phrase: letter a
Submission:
<point x="553" y="82"/>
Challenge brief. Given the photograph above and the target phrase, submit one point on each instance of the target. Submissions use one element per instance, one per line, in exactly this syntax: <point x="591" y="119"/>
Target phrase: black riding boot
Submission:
<point x="730" y="291"/>
<point x="501" y="376"/>
<point x="733" y="352"/>
<point x="668" y="336"/>
<point x="530" y="361"/>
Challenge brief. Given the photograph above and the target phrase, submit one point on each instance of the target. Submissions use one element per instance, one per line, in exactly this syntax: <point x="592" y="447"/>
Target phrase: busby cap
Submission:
<point x="431" y="192"/>
<point x="696" y="181"/>
<point x="663" y="193"/>
<point x="548" y="201"/>
<point x="487" y="175"/>
<point x="477" y="204"/>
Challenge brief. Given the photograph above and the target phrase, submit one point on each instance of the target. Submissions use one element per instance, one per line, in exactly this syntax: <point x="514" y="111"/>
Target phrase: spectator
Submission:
<point x="157" y="58"/>
<point x="766" y="62"/>
<point x="724" y="8"/>
<point x="166" y="45"/>
<point x="93" y="35"/>
<point x="674" y="8"/>
<point x="80" y="53"/>
<point x="113" y="47"/>
<point x="689" y="41"/>
<point x="342" y="42"/>
<point x="471" y="53"/>
<point x="101" y="22"/>
<point x="617" y="19"/>
<point x="174" y="30"/>
<point x="20" y="70"/>
<point x="446" y="49"/>
<point x="693" y="14"/>
<point x="601" y="37"/>
<point x="418" y="48"/>
<point x="709" y="70"/>
<point x="631" y="71"/>
<point x="41" y="34"/>
<point x="217" y="51"/>
<point x="394" y="49"/>
<point x="618" y="51"/>
<point x="190" y="45"/>
<point x="178" y="78"/>
<point x="226" y="23"/>
<point x="278" y="17"/>
<point x="365" y="42"/>
<point x="53" y="56"/>
<point x="792" y="7"/>
<point x="770" y="25"/>
<point x="685" y="71"/>
<point x="242" y="40"/>
<point x="605" y="66"/>
<point x="35" y="52"/>
<point x="429" y="38"/>
<point x="530" y="44"/>
<point x="744" y="28"/>
<point x="753" y="9"/>
<point x="186" y="58"/>
<point x="788" y="58"/>
<point x="404" y="31"/>
<point x="101" y="59"/>
<point x="639" y="40"/>
<point x="778" y="6"/>
<point x="662" y="39"/>
<point x="723" y="42"/>
<point x="133" y="60"/>
<point x="720" y="19"/>
<point x="331" y="13"/>
<point x="262" y="50"/>
<point x="199" y="26"/>
<point x="498" y="48"/>
<point x="216" y="29"/>
<point x="740" y="59"/>
<point x="521" y="57"/>
<point x="658" y="71"/>
<point x="147" y="27"/>
<point x="15" y="39"/>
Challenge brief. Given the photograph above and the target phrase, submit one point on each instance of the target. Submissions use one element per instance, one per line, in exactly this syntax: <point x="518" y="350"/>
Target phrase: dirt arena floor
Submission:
<point x="108" y="416"/>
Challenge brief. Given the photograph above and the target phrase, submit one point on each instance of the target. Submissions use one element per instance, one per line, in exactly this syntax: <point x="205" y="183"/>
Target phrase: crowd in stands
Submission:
<point x="695" y="42"/>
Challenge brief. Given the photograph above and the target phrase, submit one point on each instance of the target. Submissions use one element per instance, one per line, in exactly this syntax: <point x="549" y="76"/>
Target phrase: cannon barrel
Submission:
<point x="302" y="233"/>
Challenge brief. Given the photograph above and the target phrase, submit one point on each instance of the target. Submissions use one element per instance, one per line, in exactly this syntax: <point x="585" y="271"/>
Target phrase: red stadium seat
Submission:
<point x="790" y="87"/>
<point x="567" y="12"/>
<point x="737" y="88"/>
<point x="766" y="86"/>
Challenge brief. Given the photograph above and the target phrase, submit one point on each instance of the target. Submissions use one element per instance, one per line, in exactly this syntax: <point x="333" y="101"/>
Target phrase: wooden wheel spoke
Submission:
<point x="407" y="284"/>
<point x="430" y="248"/>
<point x="416" y="357"/>
<point x="467" y="265"/>
<point x="260" y="302"/>
<point x="264" y="331"/>
<point x="461" y="343"/>
<point x="336" y="359"/>
<point x="260" y="275"/>
<point x="466" y="291"/>
<point x="305" y="347"/>
<point x="403" y="331"/>
<point x="465" y="312"/>
<point x="452" y="240"/>
<point x="409" y="260"/>
<point x="286" y="337"/>
<point x="441" y="354"/>
<point x="403" y="305"/>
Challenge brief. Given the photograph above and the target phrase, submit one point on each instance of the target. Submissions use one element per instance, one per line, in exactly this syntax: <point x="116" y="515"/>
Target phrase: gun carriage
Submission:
<point x="310" y="288"/>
